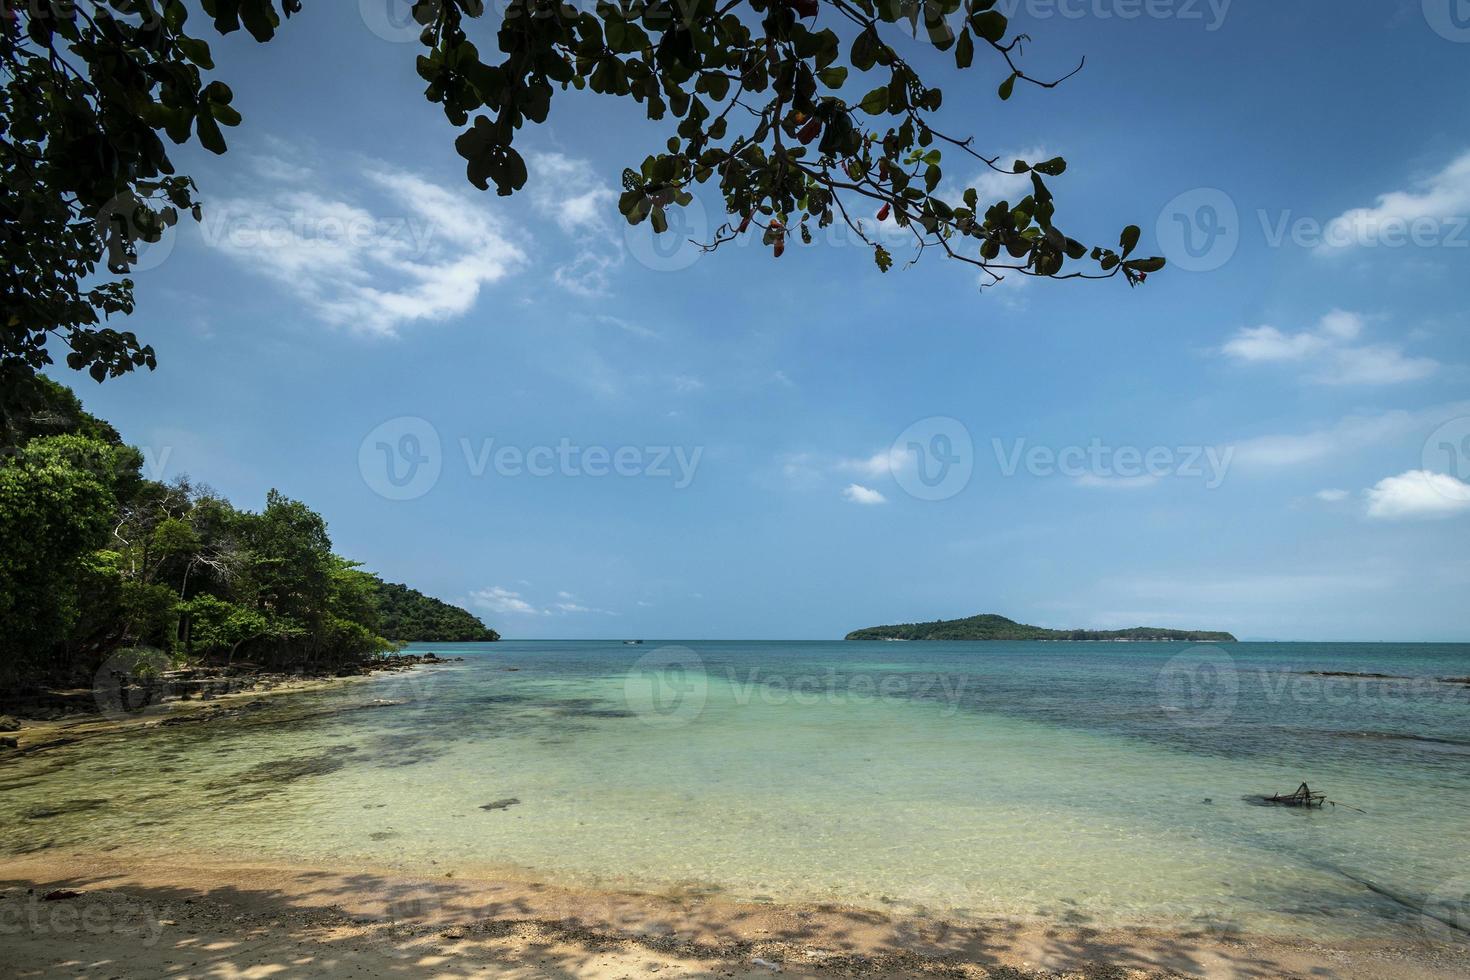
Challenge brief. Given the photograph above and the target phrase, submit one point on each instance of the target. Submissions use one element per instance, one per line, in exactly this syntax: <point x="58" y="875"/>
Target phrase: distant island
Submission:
<point x="989" y="626"/>
<point x="407" y="615"/>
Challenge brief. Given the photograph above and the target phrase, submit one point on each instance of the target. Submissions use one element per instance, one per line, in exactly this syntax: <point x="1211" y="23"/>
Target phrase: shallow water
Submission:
<point x="1098" y="783"/>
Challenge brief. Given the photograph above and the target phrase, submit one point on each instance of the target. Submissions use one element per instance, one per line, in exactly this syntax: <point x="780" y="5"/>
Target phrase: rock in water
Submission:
<point x="509" y="801"/>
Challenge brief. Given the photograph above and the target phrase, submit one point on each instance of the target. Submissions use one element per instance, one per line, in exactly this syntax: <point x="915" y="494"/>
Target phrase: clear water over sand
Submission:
<point x="1084" y="782"/>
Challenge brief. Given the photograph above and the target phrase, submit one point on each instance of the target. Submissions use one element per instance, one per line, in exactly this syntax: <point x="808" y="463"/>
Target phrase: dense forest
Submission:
<point x="408" y="615"/>
<point x="989" y="626"/>
<point x="96" y="560"/>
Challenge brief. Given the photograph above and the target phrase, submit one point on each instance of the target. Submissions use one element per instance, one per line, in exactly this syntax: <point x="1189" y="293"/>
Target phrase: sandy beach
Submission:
<point x="200" y="918"/>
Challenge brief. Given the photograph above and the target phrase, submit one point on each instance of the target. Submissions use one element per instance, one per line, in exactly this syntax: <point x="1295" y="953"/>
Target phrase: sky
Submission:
<point x="577" y="430"/>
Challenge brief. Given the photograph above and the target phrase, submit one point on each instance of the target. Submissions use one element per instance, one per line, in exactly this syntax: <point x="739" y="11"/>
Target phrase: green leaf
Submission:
<point x="831" y="77"/>
<point x="1129" y="239"/>
<point x="876" y="101"/>
<point x="989" y="25"/>
<point x="964" y="51"/>
<point x="196" y="51"/>
<point x="1008" y="86"/>
<point x="209" y="135"/>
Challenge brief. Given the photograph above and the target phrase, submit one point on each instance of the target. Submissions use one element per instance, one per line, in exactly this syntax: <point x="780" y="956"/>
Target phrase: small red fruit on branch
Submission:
<point x="883" y="212"/>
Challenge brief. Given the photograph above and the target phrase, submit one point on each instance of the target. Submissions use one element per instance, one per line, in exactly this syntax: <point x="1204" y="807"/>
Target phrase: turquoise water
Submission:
<point x="1098" y="783"/>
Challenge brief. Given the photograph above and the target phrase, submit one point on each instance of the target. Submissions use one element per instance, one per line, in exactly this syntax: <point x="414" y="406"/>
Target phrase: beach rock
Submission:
<point x="8" y="724"/>
<point x="766" y="964"/>
<point x="509" y="801"/>
<point x="60" y="894"/>
<point x="48" y="810"/>
<point x="9" y="743"/>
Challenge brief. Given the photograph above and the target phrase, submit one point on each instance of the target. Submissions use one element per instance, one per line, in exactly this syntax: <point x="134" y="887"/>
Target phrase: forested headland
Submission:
<point x="408" y="615"/>
<point x="97" y="561"/>
<point x="989" y="626"/>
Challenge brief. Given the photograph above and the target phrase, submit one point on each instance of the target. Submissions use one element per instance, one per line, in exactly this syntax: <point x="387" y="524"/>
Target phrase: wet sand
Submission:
<point x="205" y="918"/>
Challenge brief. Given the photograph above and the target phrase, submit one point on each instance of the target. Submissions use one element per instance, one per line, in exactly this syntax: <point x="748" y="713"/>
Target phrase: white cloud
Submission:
<point x="577" y="607"/>
<point x="569" y="192"/>
<point x="1349" y="436"/>
<point x="1401" y="216"/>
<point x="808" y="469"/>
<point x="991" y="186"/>
<point x="1331" y="495"/>
<point x="1342" y="325"/>
<point x="859" y="494"/>
<point x="1012" y="289"/>
<point x="1417" y="495"/>
<point x="1327" y="352"/>
<point x="878" y="464"/>
<point x="1116" y="482"/>
<point x="423" y="256"/>
<point x="1251" y="589"/>
<point x="636" y="329"/>
<point x="1377" y="364"/>
<point x="1270" y="344"/>
<point x="504" y="601"/>
<point x="275" y="168"/>
<point x="684" y="383"/>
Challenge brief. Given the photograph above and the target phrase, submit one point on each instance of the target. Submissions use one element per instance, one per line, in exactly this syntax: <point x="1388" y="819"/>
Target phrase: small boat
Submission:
<point x="632" y="643"/>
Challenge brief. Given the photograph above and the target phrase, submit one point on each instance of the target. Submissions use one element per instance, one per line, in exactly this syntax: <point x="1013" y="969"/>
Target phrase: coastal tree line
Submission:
<point x="98" y="559"/>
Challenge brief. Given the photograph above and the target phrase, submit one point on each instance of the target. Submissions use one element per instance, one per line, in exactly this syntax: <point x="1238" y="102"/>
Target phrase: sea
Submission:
<point x="1101" y="784"/>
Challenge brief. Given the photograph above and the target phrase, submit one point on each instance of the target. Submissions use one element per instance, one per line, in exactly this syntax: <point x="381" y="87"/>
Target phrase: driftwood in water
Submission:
<point x="1303" y="797"/>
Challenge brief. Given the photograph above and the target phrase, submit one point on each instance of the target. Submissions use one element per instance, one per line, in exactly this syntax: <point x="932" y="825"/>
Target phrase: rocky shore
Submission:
<point x="51" y="717"/>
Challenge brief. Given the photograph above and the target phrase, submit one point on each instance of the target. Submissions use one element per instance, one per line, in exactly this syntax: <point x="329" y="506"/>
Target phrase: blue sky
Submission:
<point x="1269" y="438"/>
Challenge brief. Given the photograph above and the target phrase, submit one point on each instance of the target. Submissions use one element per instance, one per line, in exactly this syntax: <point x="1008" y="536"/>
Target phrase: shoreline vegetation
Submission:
<point x="989" y="626"/>
<point x="203" y="916"/>
<point x="114" y="583"/>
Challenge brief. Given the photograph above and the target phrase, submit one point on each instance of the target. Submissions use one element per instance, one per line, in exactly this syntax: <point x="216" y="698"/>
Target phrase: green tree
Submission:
<point x="798" y="113"/>
<point x="56" y="508"/>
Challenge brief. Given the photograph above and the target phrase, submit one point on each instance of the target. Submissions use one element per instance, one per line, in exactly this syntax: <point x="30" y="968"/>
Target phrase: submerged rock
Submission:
<point x="47" y="811"/>
<point x="509" y="801"/>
